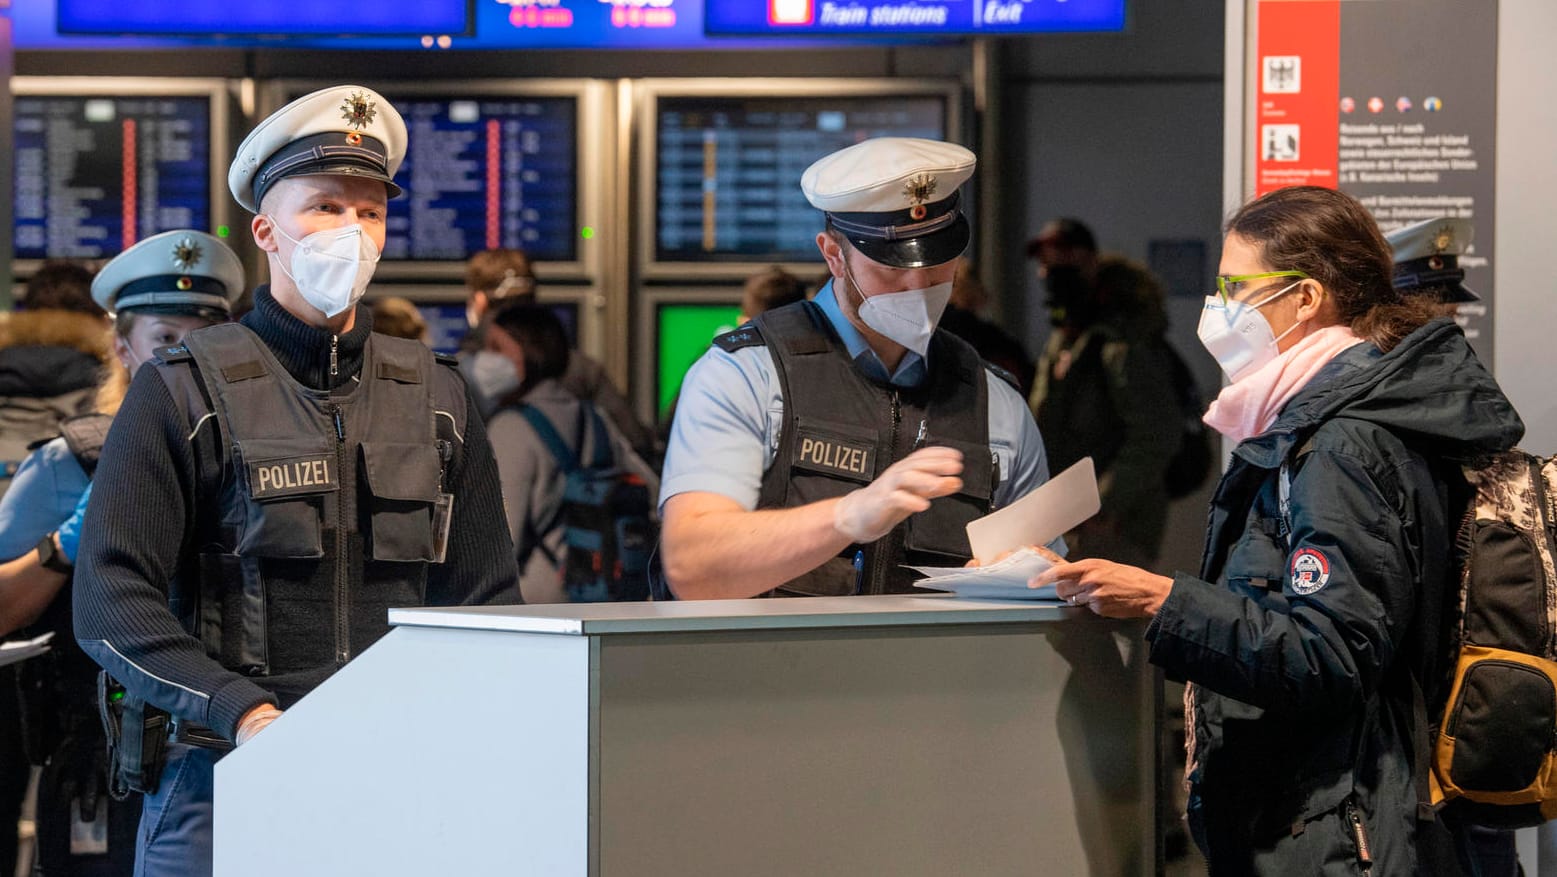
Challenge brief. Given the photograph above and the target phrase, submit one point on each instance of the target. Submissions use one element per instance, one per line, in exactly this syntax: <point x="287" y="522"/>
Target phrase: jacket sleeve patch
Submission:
<point x="1310" y="571"/>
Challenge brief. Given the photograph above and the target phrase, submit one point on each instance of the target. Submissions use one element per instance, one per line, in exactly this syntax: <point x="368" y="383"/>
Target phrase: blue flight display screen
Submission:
<point x="483" y="172"/>
<point x="899" y="17"/>
<point x="321" y="17"/>
<point x="728" y="174"/>
<point x="94" y="175"/>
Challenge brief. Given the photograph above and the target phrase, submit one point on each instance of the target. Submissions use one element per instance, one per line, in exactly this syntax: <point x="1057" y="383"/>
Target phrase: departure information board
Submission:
<point x="483" y="172"/>
<point x="321" y="17"/>
<point x="96" y="174"/>
<point x="728" y="174"/>
<point x="902" y="17"/>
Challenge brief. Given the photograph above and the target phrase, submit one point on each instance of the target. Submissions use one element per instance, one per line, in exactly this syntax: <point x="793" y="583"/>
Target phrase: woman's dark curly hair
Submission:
<point x="1332" y="238"/>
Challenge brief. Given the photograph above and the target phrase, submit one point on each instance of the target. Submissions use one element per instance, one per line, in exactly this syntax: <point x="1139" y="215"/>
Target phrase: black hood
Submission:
<point x="48" y="353"/>
<point x="1430" y="390"/>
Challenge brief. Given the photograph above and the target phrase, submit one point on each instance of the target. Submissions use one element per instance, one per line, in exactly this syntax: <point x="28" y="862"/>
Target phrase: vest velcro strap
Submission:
<point x="389" y="371"/>
<point x="244" y="371"/>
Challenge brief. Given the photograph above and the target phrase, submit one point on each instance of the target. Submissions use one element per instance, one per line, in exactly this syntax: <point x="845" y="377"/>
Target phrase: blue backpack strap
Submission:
<point x="567" y="460"/>
<point x="604" y="457"/>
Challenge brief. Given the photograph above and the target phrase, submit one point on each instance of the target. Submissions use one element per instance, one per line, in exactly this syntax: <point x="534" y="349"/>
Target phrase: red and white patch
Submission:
<point x="1310" y="571"/>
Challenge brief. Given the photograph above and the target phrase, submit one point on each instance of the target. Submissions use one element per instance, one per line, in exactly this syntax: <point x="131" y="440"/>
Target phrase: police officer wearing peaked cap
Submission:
<point x="179" y="271"/>
<point x="157" y="290"/>
<point x="360" y="478"/>
<point x="1427" y="258"/>
<point x="826" y="443"/>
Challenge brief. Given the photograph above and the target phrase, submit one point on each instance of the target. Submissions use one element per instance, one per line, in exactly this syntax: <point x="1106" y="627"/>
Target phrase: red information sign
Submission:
<point x="1297" y="83"/>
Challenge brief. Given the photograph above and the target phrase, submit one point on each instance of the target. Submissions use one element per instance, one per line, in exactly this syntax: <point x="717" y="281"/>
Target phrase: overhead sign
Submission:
<point x="499" y="25"/>
<point x="902" y="17"/>
<point x="1357" y="96"/>
<point x="320" y="17"/>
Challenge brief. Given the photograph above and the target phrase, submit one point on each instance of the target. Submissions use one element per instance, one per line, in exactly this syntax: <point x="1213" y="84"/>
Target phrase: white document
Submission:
<point x="21" y="650"/>
<point x="1040" y="517"/>
<point x="1004" y="580"/>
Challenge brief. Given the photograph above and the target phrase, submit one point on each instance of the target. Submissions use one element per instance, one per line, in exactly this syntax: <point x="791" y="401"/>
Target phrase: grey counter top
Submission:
<point x="590" y="619"/>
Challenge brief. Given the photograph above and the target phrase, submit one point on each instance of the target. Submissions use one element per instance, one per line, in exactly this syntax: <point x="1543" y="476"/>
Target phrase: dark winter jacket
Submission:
<point x="1302" y="655"/>
<point x="49" y="365"/>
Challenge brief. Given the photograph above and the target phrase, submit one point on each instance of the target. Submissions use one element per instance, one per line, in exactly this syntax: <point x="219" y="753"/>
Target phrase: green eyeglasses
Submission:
<point x="1230" y="286"/>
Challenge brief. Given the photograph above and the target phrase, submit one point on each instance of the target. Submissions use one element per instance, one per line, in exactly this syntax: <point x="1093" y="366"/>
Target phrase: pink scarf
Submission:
<point x="1249" y="407"/>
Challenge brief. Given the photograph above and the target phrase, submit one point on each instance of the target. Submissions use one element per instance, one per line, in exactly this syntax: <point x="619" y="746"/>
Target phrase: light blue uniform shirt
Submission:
<point x="41" y="496"/>
<point x="731" y="411"/>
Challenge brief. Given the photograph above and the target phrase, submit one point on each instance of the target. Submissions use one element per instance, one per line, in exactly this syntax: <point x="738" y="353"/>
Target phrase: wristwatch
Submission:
<point x="49" y="556"/>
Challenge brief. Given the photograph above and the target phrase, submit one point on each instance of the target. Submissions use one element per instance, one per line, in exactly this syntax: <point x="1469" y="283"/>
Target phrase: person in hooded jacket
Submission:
<point x="50" y="352"/>
<point x="1311" y="629"/>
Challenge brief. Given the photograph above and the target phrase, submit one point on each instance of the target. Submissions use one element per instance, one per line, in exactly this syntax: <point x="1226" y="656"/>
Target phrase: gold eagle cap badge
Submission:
<point x="358" y="110"/>
<point x="1443" y="239"/>
<point x="186" y="254"/>
<point x="919" y="189"/>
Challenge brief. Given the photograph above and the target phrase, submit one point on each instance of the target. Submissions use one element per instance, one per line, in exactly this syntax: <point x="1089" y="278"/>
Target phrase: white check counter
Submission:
<point x="901" y="735"/>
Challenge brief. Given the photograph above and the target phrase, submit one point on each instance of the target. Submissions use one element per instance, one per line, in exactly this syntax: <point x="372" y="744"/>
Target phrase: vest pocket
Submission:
<point x="284" y="484"/>
<point x="403" y="479"/>
<point x="942" y="529"/>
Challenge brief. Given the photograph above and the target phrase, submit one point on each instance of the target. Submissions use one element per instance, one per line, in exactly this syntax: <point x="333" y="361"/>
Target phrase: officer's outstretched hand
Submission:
<point x="907" y="487"/>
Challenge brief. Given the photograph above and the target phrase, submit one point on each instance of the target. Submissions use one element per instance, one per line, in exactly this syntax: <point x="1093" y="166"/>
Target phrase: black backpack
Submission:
<point x="1490" y="748"/>
<point x="1495" y="743"/>
<point x="608" y="531"/>
<point x="1191" y="463"/>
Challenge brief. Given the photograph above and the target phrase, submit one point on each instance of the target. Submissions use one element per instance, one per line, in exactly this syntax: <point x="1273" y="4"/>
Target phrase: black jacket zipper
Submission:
<point x="1360" y="834"/>
<point x="878" y="554"/>
<point x="342" y="598"/>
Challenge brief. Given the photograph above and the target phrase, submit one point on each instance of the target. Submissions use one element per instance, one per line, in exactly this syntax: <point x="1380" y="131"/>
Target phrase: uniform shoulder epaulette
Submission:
<point x="735" y="339"/>
<point x="447" y="359"/>
<point x="175" y="354"/>
<point x="1004" y="375"/>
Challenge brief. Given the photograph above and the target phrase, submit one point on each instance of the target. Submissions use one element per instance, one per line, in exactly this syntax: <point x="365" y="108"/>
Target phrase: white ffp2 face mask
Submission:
<point x="493" y="376"/>
<point x="331" y="268"/>
<point x="907" y="317"/>
<point x="1238" y="336"/>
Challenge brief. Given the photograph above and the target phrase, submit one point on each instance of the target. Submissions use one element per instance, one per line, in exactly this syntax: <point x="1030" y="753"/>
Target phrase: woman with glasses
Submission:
<point x="1311" y="627"/>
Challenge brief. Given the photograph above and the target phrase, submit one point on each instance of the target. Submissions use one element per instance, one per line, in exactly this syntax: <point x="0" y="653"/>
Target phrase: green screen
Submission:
<point x="683" y="334"/>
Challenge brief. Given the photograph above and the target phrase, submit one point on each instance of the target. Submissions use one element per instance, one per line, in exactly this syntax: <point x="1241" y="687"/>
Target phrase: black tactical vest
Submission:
<point x="318" y="513"/>
<point x="842" y="430"/>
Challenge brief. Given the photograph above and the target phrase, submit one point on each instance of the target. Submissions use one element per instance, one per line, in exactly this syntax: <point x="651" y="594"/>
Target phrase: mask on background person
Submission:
<point x="493" y="376"/>
<point x="1071" y="300"/>
<point x="331" y="268"/>
<point x="908" y="317"/>
<point x="1237" y="336"/>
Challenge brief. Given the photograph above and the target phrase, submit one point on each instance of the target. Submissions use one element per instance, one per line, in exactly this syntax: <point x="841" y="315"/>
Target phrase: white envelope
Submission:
<point x="1040" y="517"/>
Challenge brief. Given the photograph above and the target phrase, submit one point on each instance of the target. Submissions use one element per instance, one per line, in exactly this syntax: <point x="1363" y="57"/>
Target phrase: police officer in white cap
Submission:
<point x="272" y="487"/>
<point x="156" y="291"/>
<point x="826" y="443"/>
<point x="1427" y="260"/>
